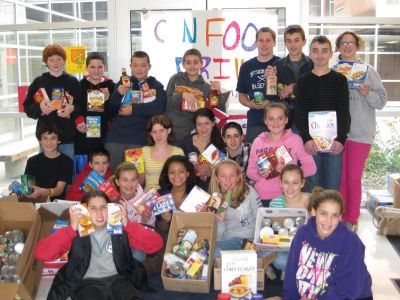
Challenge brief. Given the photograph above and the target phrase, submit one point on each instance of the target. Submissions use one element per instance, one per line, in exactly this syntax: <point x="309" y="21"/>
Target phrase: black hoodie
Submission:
<point x="47" y="81"/>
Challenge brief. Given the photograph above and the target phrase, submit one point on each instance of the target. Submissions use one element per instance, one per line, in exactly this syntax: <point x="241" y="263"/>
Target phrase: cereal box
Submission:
<point x="141" y="205"/>
<point x="93" y="124"/>
<point x="114" y="219"/>
<point x="322" y="126"/>
<point x="282" y="155"/>
<point x="161" y="204"/>
<point x="135" y="156"/>
<point x="213" y="155"/>
<point x="41" y="95"/>
<point x="85" y="226"/>
<point x="239" y="273"/>
<point x="57" y="98"/>
<point x="136" y="97"/>
<point x="149" y="96"/>
<point x="95" y="101"/>
<point x="91" y="182"/>
<point x="356" y="73"/>
<point x="110" y="191"/>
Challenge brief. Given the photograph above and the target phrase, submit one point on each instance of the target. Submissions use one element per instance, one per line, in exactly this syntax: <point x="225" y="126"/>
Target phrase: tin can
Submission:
<point x="193" y="158"/>
<point x="204" y="244"/>
<point x="267" y="222"/>
<point x="293" y="230"/>
<point x="186" y="244"/>
<point x="170" y="259"/>
<point x="263" y="163"/>
<point x="300" y="221"/>
<point x="258" y="98"/>
<point x="276" y="226"/>
<point x="177" y="269"/>
<point x="215" y="202"/>
<point x="288" y="223"/>
<point x="16" y="236"/>
<point x="181" y="234"/>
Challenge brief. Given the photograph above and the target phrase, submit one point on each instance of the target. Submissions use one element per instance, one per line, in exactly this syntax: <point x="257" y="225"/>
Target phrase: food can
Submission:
<point x="263" y="163"/>
<point x="193" y="158"/>
<point x="258" y="98"/>
<point x="215" y="202"/>
<point x="186" y="244"/>
<point x="204" y="244"/>
<point x="177" y="269"/>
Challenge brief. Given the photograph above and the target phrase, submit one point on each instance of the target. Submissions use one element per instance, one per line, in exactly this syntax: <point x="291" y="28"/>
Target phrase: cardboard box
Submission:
<point x="205" y="226"/>
<point x="394" y="188"/>
<point x="377" y="198"/>
<point x="23" y="216"/>
<point x="262" y="264"/>
<point x="275" y="214"/>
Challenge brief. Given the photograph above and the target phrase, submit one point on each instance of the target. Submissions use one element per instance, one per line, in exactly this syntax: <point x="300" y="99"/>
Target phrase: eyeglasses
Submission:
<point x="349" y="43"/>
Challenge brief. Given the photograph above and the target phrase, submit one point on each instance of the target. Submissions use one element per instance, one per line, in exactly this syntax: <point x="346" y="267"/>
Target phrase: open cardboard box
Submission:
<point x="262" y="264"/>
<point x="23" y="216"/>
<point x="275" y="214"/>
<point x="205" y="226"/>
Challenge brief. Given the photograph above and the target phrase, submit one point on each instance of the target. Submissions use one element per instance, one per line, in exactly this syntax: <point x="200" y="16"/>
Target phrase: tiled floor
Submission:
<point x="382" y="260"/>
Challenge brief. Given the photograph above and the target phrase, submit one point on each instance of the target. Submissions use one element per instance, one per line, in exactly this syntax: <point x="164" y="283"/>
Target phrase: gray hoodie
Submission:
<point x="240" y="222"/>
<point x="183" y="120"/>
<point x="362" y="108"/>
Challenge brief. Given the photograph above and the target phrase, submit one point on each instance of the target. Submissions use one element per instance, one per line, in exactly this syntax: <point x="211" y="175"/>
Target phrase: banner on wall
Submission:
<point x="76" y="58"/>
<point x="225" y="38"/>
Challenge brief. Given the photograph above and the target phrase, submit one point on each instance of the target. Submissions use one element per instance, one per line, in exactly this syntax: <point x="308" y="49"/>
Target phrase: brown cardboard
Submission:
<point x="205" y="226"/>
<point x="394" y="188"/>
<point x="262" y="264"/>
<point x="375" y="198"/>
<point x="23" y="216"/>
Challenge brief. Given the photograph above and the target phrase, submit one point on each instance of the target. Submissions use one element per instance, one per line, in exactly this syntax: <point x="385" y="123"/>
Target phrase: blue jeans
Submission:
<point x="329" y="172"/>
<point x="280" y="259"/>
<point x="67" y="149"/>
<point x="227" y="244"/>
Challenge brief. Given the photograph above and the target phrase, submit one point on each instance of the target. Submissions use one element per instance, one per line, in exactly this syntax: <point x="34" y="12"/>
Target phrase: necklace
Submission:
<point x="100" y="246"/>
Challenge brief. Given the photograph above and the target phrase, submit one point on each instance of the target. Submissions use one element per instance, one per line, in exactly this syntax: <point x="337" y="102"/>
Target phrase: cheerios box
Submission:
<point x="322" y="126"/>
<point x="267" y="234"/>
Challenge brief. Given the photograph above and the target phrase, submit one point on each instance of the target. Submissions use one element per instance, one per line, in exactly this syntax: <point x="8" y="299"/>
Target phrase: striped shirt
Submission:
<point x="152" y="168"/>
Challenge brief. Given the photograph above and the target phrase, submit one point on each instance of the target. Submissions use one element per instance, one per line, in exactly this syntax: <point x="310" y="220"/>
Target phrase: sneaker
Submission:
<point x="270" y="273"/>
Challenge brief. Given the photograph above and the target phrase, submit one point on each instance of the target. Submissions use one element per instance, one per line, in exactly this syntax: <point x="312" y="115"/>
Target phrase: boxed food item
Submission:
<point x="91" y="182"/>
<point x="41" y="95"/>
<point x="204" y="224"/>
<point x="355" y="73"/>
<point x="322" y="126"/>
<point x="262" y="264"/>
<point x="135" y="156"/>
<point x="57" y="98"/>
<point x="196" y="197"/>
<point x="93" y="124"/>
<point x="85" y="225"/>
<point x="239" y="273"/>
<point x="161" y="204"/>
<point x="95" y="101"/>
<point x="114" y="219"/>
<point x="213" y="155"/>
<point x="22" y="216"/>
<point x="275" y="227"/>
<point x="377" y="198"/>
<point x="110" y="191"/>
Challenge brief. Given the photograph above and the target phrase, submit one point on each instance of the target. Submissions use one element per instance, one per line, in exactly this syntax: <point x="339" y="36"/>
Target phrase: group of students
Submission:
<point x="326" y="260"/>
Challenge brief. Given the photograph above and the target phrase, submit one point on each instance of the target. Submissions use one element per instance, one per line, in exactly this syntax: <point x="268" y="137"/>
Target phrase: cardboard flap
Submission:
<point x="57" y="208"/>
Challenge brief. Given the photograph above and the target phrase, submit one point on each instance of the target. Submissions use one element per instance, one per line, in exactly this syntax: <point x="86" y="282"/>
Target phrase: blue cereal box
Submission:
<point x="161" y="204"/>
<point x="93" y="124"/>
<point x="91" y="182"/>
<point x="355" y="73"/>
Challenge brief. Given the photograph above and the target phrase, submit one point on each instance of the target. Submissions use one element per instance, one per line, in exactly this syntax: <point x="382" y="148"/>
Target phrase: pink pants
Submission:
<point x="354" y="156"/>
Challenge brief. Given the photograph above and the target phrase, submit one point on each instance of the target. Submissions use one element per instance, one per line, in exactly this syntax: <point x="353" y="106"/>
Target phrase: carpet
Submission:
<point x="272" y="288"/>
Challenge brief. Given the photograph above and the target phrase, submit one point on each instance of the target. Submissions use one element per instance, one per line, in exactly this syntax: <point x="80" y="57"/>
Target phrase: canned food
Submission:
<point x="263" y="163"/>
<point x="276" y="226"/>
<point x="288" y="223"/>
<point x="186" y="244"/>
<point x="215" y="202"/>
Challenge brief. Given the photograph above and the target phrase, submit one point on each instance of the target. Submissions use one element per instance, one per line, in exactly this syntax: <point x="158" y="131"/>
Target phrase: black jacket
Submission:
<point x="69" y="277"/>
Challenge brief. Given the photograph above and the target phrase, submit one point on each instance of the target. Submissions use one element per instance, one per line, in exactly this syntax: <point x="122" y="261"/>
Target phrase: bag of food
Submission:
<point x="387" y="220"/>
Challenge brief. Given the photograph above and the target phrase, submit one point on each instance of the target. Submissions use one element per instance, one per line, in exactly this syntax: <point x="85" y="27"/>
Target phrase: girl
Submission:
<point x="160" y="148"/>
<point x="363" y="103"/>
<point x="239" y="220"/>
<point x="92" y="85"/>
<point x="93" y="270"/>
<point x="292" y="181"/>
<point x="275" y="118"/>
<point x="207" y="132"/>
<point x="326" y="260"/>
<point x="236" y="149"/>
<point x="178" y="178"/>
<point x="126" y="181"/>
<point x="192" y="62"/>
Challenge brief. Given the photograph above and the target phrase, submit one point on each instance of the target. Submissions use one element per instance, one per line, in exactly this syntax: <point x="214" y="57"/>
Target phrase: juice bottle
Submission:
<point x="125" y="79"/>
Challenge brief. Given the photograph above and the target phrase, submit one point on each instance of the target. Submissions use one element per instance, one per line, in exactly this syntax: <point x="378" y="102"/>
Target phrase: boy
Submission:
<point x="290" y="68"/>
<point x="94" y="87"/>
<point x="323" y="90"/>
<point x="52" y="170"/>
<point x="251" y="81"/>
<point x="58" y="85"/>
<point x="128" y="122"/>
<point x="182" y="120"/>
<point x="99" y="160"/>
